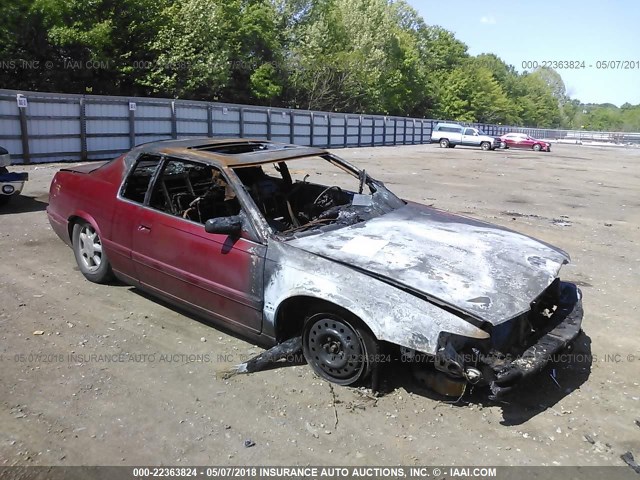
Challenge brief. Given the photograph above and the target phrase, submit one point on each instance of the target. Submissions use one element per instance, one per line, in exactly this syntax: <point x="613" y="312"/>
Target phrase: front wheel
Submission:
<point x="338" y="349"/>
<point x="485" y="146"/>
<point x="537" y="147"/>
<point x="444" y="143"/>
<point x="90" y="256"/>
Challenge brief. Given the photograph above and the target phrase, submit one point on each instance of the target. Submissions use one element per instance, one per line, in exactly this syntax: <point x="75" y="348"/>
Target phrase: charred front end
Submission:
<point x="515" y="349"/>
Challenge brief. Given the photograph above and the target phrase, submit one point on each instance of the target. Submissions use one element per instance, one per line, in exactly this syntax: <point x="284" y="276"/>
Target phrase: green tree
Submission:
<point x="25" y="48"/>
<point x="472" y="94"/>
<point x="536" y="103"/>
<point x="216" y="49"/>
<point x="102" y="45"/>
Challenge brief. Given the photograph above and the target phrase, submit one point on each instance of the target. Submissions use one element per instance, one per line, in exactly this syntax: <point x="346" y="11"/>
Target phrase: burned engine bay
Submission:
<point x="299" y="207"/>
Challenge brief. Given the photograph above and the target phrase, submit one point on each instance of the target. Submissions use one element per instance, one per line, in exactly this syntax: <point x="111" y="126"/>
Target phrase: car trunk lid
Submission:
<point x="84" y="168"/>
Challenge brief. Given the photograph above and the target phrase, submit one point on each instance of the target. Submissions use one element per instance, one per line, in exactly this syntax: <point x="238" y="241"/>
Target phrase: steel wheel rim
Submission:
<point x="90" y="248"/>
<point x="443" y="143"/>
<point x="336" y="348"/>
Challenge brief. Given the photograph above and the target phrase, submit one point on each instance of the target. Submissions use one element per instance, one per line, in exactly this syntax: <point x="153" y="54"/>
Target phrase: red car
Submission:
<point x="522" y="140"/>
<point x="248" y="234"/>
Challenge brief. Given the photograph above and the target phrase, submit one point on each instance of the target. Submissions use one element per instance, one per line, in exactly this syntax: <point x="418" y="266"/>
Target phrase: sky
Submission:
<point x="520" y="31"/>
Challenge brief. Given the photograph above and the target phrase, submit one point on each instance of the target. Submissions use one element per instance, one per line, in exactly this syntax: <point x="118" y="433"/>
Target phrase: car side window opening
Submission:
<point x="469" y="131"/>
<point x="137" y="183"/>
<point x="194" y="191"/>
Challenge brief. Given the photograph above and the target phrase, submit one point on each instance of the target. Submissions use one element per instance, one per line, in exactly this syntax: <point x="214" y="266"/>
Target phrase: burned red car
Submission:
<point x="524" y="141"/>
<point x="251" y="235"/>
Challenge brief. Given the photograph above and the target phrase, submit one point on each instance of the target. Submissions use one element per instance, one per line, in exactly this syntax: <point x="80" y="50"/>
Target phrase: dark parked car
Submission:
<point x="245" y="233"/>
<point x="522" y="140"/>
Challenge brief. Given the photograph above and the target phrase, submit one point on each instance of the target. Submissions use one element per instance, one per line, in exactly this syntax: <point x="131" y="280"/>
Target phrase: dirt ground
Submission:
<point x="165" y="401"/>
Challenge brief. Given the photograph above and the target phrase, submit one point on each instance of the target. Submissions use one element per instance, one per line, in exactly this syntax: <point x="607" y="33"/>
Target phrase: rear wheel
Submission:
<point x="537" y="147"/>
<point x="338" y="348"/>
<point x="90" y="256"/>
<point x="444" y="143"/>
<point x="485" y="146"/>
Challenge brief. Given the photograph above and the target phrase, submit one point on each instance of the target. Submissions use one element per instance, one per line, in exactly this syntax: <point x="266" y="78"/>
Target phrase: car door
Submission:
<point x="220" y="275"/>
<point x="455" y="135"/>
<point x="126" y="214"/>
<point x="515" y="141"/>
<point x="470" y="137"/>
<point x="528" y="142"/>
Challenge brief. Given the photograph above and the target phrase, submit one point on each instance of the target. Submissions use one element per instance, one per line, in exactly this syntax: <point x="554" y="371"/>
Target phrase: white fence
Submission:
<point x="49" y="127"/>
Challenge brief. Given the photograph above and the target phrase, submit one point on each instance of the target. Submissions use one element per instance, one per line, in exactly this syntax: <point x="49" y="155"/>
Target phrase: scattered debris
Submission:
<point x="351" y="406"/>
<point x="589" y="439"/>
<point x="608" y="224"/>
<point x="312" y="430"/>
<point x="514" y="215"/>
<point x="38" y="332"/>
<point x="248" y="443"/>
<point x="266" y="358"/>
<point x="629" y="460"/>
<point x="559" y="222"/>
<point x="638" y="423"/>
<point x="202" y="339"/>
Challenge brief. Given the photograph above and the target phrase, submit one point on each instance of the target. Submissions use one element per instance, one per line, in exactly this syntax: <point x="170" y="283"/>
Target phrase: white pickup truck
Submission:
<point x="448" y="135"/>
<point x="11" y="183"/>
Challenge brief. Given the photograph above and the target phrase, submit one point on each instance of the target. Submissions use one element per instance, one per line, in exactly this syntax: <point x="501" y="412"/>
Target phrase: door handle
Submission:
<point x="144" y="228"/>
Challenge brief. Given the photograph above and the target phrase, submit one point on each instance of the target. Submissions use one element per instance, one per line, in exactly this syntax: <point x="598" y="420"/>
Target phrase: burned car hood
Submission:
<point x="484" y="270"/>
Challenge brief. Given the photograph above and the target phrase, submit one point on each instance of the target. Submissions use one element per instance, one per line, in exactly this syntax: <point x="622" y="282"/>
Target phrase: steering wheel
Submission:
<point x="324" y="199"/>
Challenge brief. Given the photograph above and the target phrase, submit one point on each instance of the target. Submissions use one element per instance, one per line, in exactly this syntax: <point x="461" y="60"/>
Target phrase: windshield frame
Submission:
<point x="381" y="196"/>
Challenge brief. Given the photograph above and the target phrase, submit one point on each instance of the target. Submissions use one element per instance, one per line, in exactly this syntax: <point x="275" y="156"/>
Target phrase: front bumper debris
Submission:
<point x="537" y="356"/>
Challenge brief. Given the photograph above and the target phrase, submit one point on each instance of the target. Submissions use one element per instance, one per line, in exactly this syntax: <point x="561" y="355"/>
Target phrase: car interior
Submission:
<point x="193" y="191"/>
<point x="199" y="192"/>
<point x="290" y="204"/>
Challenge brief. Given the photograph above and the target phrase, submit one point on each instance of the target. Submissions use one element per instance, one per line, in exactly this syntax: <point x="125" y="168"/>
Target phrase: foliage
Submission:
<point x="373" y="56"/>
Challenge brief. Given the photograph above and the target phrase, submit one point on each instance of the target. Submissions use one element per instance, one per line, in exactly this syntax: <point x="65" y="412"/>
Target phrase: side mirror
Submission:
<point x="224" y="225"/>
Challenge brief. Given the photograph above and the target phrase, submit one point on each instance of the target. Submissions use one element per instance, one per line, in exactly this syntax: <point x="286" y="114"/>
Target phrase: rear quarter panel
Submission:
<point x="86" y="193"/>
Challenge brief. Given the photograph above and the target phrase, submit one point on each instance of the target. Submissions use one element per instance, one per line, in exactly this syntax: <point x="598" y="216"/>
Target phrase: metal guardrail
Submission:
<point x="47" y="127"/>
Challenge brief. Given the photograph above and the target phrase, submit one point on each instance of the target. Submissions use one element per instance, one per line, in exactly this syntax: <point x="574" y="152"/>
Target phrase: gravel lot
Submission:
<point x="167" y="403"/>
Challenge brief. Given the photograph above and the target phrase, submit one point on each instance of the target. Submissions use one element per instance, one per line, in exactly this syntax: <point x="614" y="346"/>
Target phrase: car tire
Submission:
<point x="90" y="256"/>
<point x="4" y="199"/>
<point x="444" y="143"/>
<point x="485" y="146"/>
<point x="338" y="347"/>
<point x="537" y="147"/>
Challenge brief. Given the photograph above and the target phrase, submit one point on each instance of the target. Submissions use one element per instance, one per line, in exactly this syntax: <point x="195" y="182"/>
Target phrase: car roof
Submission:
<point x="234" y="152"/>
<point x="450" y="125"/>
